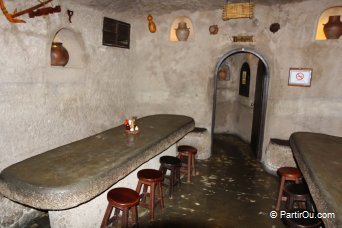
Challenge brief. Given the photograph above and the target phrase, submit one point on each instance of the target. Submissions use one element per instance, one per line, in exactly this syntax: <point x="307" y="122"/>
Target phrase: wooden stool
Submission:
<point x="150" y="178"/>
<point x="173" y="164"/>
<point x="121" y="199"/>
<point x="287" y="174"/>
<point x="301" y="222"/>
<point x="189" y="152"/>
<point x="297" y="193"/>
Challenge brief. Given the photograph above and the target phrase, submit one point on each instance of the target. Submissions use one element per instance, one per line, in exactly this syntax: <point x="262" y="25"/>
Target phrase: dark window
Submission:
<point x="244" y="80"/>
<point x="115" y="33"/>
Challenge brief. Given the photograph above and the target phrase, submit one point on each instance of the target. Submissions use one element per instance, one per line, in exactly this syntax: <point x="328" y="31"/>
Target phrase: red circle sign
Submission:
<point x="299" y="76"/>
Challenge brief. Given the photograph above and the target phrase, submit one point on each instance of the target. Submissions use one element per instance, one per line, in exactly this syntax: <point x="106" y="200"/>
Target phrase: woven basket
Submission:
<point x="237" y="10"/>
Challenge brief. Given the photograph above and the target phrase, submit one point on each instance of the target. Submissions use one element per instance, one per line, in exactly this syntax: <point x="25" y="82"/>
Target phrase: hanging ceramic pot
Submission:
<point x="182" y="32"/>
<point x="333" y="29"/>
<point x="59" y="55"/>
<point x="213" y="29"/>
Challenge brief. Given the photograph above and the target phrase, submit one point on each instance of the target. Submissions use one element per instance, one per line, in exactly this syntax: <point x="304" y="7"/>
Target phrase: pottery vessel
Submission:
<point x="182" y="31"/>
<point x="213" y="29"/>
<point x="59" y="55"/>
<point x="333" y="29"/>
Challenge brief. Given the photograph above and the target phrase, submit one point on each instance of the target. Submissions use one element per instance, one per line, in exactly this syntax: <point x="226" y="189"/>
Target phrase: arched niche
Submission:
<point x="74" y="44"/>
<point x="174" y="25"/>
<point x="323" y="19"/>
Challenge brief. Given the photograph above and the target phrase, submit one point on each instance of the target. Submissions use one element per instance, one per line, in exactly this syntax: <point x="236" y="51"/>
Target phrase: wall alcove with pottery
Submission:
<point x="331" y="18"/>
<point x="181" y="29"/>
<point x="73" y="49"/>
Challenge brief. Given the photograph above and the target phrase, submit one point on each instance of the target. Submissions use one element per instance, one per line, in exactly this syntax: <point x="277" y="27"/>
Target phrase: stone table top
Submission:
<point x="319" y="157"/>
<point x="75" y="173"/>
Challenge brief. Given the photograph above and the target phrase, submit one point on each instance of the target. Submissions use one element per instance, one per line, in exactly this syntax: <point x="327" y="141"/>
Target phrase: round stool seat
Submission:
<point x="123" y="197"/>
<point x="289" y="172"/>
<point x="169" y="160"/>
<point x="187" y="149"/>
<point x="297" y="189"/>
<point x="301" y="222"/>
<point x="151" y="175"/>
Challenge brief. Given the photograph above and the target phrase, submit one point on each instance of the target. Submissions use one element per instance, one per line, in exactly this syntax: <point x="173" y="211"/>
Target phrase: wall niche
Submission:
<point x="324" y="18"/>
<point x="179" y="22"/>
<point x="72" y="41"/>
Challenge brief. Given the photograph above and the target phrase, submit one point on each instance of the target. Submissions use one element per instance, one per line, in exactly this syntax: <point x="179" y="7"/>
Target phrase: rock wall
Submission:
<point x="43" y="107"/>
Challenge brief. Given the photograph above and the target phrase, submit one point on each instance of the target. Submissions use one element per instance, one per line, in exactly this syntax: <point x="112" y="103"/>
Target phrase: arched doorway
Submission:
<point x="260" y="99"/>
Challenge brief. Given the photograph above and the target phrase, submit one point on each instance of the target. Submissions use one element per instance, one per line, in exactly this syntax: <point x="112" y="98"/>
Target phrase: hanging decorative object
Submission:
<point x="237" y="10"/>
<point x="59" y="55"/>
<point x="44" y="11"/>
<point x="70" y="14"/>
<point x="182" y="31"/>
<point x="213" y="29"/>
<point x="151" y="25"/>
<point x="333" y="29"/>
<point x="31" y="11"/>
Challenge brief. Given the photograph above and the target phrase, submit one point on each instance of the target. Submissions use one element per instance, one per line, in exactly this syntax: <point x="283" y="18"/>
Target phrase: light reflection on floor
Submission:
<point x="231" y="189"/>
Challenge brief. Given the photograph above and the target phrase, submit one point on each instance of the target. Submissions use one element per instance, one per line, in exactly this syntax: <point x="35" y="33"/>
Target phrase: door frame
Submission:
<point x="264" y="94"/>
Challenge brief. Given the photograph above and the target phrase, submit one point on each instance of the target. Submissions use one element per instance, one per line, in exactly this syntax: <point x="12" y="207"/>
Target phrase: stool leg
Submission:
<point x="193" y="165"/>
<point x="106" y="216"/>
<point x="116" y="215"/>
<point x="144" y="193"/>
<point x="162" y="169"/>
<point x="152" y="187"/>
<point x="178" y="176"/>
<point x="290" y="202"/>
<point x="161" y="195"/>
<point x="124" y="218"/>
<point x="189" y="168"/>
<point x="139" y="187"/>
<point x="135" y="215"/>
<point x="172" y="182"/>
<point x="280" y="195"/>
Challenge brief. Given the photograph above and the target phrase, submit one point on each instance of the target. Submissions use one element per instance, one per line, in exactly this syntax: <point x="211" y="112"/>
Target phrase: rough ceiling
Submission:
<point x="167" y="6"/>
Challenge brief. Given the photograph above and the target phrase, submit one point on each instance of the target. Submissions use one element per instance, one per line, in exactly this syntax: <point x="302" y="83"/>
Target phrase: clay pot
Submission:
<point x="182" y="32"/>
<point x="333" y="29"/>
<point x="222" y="74"/>
<point x="213" y="29"/>
<point x="59" y="55"/>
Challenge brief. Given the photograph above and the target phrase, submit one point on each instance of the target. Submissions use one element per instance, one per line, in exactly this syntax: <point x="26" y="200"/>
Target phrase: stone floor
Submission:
<point x="230" y="190"/>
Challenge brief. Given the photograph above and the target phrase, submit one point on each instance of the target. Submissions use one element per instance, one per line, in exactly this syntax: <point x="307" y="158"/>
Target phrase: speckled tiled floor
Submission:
<point x="230" y="190"/>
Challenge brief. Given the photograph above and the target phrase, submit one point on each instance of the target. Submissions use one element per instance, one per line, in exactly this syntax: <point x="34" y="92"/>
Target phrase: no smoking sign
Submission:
<point x="300" y="76"/>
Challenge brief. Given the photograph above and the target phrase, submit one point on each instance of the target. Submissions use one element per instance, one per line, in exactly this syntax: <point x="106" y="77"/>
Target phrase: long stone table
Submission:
<point x="75" y="173"/>
<point x="319" y="158"/>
